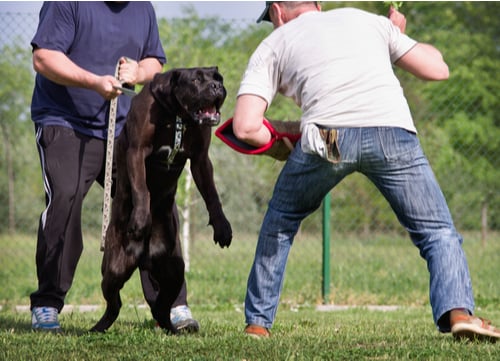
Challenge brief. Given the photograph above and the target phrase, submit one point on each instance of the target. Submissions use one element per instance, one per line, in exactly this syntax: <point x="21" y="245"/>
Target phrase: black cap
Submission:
<point x="265" y="14"/>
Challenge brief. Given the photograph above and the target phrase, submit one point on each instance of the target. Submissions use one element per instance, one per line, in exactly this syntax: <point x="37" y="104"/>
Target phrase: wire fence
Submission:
<point x="458" y="129"/>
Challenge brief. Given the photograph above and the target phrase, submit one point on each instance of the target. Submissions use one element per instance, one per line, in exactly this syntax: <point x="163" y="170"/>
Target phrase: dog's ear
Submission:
<point x="218" y="76"/>
<point x="163" y="84"/>
<point x="174" y="78"/>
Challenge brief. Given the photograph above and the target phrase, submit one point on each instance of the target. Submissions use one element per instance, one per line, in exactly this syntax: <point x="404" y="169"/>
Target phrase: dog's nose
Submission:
<point x="217" y="87"/>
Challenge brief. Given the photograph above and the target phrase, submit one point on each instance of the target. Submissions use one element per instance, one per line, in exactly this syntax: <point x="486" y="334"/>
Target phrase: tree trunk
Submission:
<point x="484" y="223"/>
<point x="10" y="181"/>
<point x="186" y="218"/>
<point x="12" y="195"/>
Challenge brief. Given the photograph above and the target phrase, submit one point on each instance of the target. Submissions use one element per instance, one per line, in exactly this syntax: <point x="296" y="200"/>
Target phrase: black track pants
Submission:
<point x="71" y="163"/>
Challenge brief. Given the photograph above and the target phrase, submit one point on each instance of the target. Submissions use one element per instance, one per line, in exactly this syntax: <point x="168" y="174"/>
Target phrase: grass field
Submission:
<point x="385" y="270"/>
<point x="356" y="334"/>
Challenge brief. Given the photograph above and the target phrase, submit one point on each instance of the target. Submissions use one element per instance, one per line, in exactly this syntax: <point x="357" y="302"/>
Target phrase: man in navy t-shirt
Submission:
<point x="75" y="52"/>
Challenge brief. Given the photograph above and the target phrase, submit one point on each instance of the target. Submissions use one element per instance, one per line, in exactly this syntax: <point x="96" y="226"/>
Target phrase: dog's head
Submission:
<point x="194" y="92"/>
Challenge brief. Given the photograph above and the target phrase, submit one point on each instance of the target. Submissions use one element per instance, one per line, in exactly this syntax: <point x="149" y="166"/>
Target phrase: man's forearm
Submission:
<point x="248" y="120"/>
<point x="56" y="66"/>
<point x="148" y="67"/>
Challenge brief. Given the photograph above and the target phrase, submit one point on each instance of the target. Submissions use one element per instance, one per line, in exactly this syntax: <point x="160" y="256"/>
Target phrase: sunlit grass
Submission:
<point x="381" y="270"/>
<point x="356" y="334"/>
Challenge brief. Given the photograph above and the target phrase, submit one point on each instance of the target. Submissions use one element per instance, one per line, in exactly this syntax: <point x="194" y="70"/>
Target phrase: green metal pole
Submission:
<point x="326" y="249"/>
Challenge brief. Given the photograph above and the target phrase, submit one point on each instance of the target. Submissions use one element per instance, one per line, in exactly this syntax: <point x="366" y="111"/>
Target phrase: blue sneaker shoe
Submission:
<point x="182" y="319"/>
<point x="45" y="319"/>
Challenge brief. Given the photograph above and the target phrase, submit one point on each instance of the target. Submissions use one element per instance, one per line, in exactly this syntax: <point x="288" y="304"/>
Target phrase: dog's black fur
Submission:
<point x="143" y="230"/>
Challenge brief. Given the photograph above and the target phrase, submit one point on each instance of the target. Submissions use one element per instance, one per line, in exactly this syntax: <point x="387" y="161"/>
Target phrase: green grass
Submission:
<point x="304" y="335"/>
<point x="382" y="270"/>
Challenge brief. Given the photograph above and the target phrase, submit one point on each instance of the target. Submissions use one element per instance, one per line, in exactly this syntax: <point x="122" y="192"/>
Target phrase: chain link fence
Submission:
<point x="458" y="126"/>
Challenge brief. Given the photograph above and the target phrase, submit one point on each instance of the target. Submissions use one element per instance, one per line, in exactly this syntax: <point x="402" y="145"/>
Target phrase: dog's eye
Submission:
<point x="198" y="78"/>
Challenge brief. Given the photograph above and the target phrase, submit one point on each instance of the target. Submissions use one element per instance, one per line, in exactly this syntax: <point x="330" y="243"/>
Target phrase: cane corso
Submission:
<point x="168" y="123"/>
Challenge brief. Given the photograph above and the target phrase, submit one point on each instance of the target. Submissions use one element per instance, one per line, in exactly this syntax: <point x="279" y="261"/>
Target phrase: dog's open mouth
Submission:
<point x="208" y="115"/>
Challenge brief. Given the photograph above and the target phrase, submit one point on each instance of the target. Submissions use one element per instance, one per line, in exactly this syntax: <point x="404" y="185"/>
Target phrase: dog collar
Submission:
<point x="179" y="132"/>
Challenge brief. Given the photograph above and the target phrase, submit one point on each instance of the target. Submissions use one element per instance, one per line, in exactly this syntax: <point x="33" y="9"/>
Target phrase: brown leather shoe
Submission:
<point x="465" y="326"/>
<point x="256" y="331"/>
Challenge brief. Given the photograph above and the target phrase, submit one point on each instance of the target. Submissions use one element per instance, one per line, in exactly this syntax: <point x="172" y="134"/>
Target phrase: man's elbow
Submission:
<point x="443" y="73"/>
<point x="248" y="119"/>
<point x="241" y="131"/>
<point x="446" y="73"/>
<point x="37" y="62"/>
<point x="432" y="74"/>
<point x="39" y="59"/>
<point x="425" y="62"/>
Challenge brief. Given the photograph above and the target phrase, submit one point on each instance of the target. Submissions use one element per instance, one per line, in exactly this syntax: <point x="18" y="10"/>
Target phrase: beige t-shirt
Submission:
<point x="337" y="66"/>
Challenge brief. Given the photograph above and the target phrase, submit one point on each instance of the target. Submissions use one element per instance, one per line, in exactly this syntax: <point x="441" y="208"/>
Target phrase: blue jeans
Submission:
<point x="393" y="160"/>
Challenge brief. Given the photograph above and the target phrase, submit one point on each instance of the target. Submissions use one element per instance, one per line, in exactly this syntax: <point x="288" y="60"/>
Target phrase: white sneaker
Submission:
<point x="45" y="319"/>
<point x="182" y="319"/>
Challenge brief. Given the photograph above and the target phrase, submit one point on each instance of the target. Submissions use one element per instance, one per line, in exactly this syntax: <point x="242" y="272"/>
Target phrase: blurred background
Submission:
<point x="458" y="123"/>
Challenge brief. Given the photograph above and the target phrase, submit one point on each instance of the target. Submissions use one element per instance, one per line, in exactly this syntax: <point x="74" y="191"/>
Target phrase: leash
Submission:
<point x="108" y="180"/>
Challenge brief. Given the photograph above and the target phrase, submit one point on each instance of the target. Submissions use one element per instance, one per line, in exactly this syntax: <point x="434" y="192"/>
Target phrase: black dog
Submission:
<point x="169" y="122"/>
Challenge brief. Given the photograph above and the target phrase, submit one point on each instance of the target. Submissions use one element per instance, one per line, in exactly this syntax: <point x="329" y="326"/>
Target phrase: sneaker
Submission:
<point x="256" y="331"/>
<point x="45" y="319"/>
<point x="464" y="326"/>
<point x="182" y="319"/>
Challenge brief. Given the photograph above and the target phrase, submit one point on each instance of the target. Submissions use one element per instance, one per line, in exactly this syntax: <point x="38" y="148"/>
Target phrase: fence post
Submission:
<point x="326" y="249"/>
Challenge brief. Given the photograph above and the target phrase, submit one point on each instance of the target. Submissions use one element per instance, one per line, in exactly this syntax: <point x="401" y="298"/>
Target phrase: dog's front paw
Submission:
<point x="223" y="233"/>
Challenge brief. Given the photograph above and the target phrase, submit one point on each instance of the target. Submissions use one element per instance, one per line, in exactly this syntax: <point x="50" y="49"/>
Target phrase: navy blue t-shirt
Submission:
<point x="94" y="35"/>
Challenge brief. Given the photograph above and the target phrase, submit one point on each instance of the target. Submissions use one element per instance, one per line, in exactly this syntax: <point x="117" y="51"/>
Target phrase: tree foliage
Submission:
<point x="17" y="157"/>
<point x="457" y="119"/>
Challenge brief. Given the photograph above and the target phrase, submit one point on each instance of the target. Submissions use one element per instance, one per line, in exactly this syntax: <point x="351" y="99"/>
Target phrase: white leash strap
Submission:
<point x="108" y="180"/>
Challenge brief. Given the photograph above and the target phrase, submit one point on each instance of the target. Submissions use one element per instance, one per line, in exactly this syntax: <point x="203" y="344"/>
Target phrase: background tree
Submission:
<point x="16" y="131"/>
<point x="464" y="108"/>
<point x="457" y="119"/>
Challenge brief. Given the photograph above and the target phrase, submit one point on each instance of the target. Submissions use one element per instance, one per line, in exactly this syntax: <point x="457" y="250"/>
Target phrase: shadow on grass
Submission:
<point x="74" y="326"/>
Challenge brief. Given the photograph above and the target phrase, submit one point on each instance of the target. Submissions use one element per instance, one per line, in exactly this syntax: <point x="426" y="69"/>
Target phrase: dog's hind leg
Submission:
<point x="169" y="273"/>
<point x="111" y="291"/>
<point x="117" y="268"/>
<point x="167" y="265"/>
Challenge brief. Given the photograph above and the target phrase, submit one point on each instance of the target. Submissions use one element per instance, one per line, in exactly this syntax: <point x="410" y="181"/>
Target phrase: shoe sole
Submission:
<point x="257" y="332"/>
<point x="187" y="327"/>
<point x="473" y="333"/>
<point x="256" y="336"/>
<point x="47" y="329"/>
